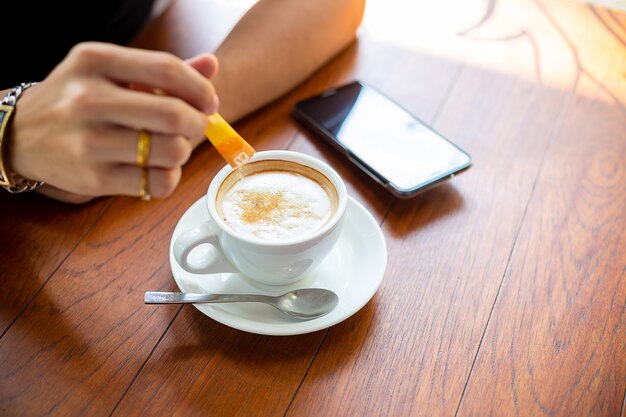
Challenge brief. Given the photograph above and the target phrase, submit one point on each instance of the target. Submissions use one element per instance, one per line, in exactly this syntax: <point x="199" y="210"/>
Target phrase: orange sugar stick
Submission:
<point x="233" y="148"/>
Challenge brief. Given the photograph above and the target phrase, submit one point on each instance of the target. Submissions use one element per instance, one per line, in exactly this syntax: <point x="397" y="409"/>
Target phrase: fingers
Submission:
<point x="158" y="70"/>
<point x="205" y="64"/>
<point x="113" y="163"/>
<point x="86" y="118"/>
<point x="138" y="110"/>
<point x="126" y="179"/>
<point x="119" y="145"/>
<point x="113" y="160"/>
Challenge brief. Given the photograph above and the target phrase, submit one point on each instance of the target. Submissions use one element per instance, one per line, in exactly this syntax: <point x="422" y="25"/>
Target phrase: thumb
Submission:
<point x="205" y="64"/>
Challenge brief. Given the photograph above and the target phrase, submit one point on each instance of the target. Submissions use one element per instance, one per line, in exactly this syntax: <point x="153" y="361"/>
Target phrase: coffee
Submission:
<point x="274" y="200"/>
<point x="274" y="219"/>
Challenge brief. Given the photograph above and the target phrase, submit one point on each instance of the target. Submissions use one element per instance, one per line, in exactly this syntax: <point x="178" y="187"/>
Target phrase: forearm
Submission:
<point x="276" y="45"/>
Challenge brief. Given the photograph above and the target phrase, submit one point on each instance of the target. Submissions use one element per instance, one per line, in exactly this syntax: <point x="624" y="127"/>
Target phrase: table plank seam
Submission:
<point x="295" y="393"/>
<point x="480" y="343"/>
<point x="132" y="381"/>
<point x="448" y="93"/>
<point x="43" y="284"/>
<point x="565" y="105"/>
<point x="291" y="141"/>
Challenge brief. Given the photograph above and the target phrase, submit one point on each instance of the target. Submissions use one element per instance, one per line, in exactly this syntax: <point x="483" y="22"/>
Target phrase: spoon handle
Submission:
<point x="153" y="297"/>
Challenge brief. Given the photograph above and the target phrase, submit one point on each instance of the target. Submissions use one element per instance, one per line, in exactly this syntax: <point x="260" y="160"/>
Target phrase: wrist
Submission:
<point x="9" y="180"/>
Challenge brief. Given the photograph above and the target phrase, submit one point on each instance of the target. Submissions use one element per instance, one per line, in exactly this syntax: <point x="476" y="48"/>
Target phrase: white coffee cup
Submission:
<point x="285" y="253"/>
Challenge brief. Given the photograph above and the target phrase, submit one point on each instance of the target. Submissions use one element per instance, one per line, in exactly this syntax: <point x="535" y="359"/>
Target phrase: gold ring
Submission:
<point x="144" y="192"/>
<point x="143" y="148"/>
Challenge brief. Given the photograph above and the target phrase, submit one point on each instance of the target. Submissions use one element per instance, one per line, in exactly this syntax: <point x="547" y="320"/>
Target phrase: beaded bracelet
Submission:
<point x="9" y="181"/>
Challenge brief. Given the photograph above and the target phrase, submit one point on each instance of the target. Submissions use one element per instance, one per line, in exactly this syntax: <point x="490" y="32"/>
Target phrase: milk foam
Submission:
<point x="276" y="206"/>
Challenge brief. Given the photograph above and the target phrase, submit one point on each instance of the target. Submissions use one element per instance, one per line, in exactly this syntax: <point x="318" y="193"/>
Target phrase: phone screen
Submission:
<point x="383" y="136"/>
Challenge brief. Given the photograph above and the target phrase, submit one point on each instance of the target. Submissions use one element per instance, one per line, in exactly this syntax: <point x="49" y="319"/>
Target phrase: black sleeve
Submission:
<point x="38" y="34"/>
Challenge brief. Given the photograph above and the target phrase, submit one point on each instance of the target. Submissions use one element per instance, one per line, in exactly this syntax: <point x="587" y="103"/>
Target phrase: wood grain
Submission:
<point x="504" y="292"/>
<point x="416" y="350"/>
<point x="220" y="371"/>
<point x="36" y="235"/>
<point x="557" y="341"/>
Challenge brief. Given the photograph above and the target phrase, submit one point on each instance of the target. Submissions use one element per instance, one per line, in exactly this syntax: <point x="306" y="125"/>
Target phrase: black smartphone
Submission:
<point x="390" y="144"/>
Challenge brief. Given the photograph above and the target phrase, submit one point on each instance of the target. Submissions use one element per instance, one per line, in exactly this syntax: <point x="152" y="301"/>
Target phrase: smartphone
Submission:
<point x="390" y="144"/>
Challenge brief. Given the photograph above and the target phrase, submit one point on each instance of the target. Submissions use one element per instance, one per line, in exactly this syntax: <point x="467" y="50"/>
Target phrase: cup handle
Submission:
<point x="187" y="241"/>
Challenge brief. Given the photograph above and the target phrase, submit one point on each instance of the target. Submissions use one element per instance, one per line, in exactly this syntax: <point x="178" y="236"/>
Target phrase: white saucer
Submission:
<point x="353" y="270"/>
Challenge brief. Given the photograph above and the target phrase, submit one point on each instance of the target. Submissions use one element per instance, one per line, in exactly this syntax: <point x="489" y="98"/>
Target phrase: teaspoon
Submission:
<point x="304" y="304"/>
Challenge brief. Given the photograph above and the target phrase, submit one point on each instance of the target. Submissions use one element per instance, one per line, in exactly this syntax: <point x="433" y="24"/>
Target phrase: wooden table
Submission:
<point x="504" y="292"/>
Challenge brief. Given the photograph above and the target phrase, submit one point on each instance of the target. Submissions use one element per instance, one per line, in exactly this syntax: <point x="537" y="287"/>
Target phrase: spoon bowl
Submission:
<point x="303" y="304"/>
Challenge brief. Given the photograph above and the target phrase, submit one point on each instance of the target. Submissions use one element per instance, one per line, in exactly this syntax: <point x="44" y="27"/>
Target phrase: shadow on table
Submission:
<point x="259" y="351"/>
<point x="427" y="208"/>
<point x="215" y="362"/>
<point x="223" y="364"/>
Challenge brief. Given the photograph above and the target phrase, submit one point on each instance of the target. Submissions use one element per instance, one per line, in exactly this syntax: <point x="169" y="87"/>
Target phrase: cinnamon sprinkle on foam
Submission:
<point x="276" y="205"/>
<point x="262" y="206"/>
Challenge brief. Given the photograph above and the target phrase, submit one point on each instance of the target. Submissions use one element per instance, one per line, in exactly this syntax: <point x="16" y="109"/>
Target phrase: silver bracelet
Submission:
<point x="9" y="181"/>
